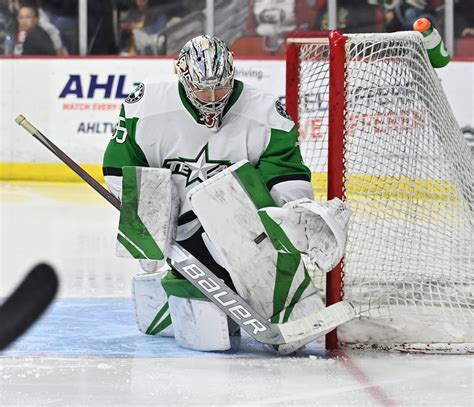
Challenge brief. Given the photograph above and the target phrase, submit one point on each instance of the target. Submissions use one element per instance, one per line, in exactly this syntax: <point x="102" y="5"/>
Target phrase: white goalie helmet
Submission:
<point x="205" y="68"/>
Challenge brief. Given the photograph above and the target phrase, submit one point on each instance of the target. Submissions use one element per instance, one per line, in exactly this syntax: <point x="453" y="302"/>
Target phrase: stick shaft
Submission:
<point x="21" y="120"/>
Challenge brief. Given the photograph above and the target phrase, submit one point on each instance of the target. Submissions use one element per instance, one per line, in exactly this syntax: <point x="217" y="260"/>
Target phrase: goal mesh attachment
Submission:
<point x="407" y="174"/>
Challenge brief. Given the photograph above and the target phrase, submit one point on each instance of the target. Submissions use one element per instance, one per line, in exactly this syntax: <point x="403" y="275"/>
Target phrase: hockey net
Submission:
<point x="397" y="156"/>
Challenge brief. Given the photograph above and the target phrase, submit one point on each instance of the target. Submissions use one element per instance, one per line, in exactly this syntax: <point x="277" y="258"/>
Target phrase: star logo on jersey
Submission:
<point x="197" y="169"/>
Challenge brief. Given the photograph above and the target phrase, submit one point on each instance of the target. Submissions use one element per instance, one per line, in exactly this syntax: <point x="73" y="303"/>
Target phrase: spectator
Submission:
<point x="150" y="19"/>
<point x="353" y="16"/>
<point x="399" y="15"/>
<point x="8" y="28"/>
<point x="464" y="29"/>
<point x="274" y="19"/>
<point x="45" y="24"/>
<point x="464" y="19"/>
<point x="31" y="38"/>
<point x="64" y="15"/>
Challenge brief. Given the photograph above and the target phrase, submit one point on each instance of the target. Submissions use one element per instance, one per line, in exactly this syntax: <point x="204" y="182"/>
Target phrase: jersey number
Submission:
<point x="120" y="133"/>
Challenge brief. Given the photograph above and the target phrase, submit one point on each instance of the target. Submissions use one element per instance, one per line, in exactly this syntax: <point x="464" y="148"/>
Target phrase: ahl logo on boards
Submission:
<point x="92" y="87"/>
<point x="101" y="95"/>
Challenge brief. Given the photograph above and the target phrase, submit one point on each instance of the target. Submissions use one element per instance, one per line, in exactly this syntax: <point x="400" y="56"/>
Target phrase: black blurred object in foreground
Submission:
<point x="27" y="303"/>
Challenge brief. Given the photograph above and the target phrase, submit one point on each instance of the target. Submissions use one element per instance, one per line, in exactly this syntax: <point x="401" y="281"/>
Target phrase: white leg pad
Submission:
<point x="199" y="324"/>
<point x="232" y="223"/>
<point x="151" y="304"/>
<point x="149" y="214"/>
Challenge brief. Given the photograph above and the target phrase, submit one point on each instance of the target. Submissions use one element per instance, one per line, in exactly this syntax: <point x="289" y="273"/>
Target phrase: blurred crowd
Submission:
<point x="251" y="27"/>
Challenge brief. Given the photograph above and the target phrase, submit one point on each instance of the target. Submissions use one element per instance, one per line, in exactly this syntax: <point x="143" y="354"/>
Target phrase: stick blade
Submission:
<point x="27" y="303"/>
<point x="319" y="323"/>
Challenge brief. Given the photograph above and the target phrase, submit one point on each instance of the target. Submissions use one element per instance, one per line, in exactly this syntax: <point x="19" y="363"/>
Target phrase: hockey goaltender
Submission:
<point x="214" y="164"/>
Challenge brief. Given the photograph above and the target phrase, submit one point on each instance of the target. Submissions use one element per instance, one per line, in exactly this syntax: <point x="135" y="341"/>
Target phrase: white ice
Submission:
<point x="87" y="351"/>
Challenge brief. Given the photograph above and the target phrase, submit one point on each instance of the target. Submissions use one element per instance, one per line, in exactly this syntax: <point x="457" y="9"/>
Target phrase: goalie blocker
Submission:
<point x="260" y="245"/>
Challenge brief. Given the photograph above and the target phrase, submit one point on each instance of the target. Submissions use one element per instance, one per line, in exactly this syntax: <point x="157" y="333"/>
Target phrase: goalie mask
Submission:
<point x="206" y="70"/>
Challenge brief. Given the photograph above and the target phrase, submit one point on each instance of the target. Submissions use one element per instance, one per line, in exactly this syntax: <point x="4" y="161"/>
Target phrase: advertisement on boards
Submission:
<point x="76" y="101"/>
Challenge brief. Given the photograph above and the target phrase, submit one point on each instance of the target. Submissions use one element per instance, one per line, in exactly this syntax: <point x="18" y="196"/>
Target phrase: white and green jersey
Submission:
<point x="159" y="127"/>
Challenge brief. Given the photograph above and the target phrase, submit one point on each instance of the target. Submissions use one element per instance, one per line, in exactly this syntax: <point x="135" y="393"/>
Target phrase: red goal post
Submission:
<point x="335" y="140"/>
<point x="377" y="131"/>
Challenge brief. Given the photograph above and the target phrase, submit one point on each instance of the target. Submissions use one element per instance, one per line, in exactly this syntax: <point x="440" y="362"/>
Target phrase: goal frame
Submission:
<point x="378" y="132"/>
<point x="337" y="73"/>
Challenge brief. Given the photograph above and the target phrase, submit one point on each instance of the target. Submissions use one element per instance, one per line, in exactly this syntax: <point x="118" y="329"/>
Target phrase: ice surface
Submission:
<point x="87" y="351"/>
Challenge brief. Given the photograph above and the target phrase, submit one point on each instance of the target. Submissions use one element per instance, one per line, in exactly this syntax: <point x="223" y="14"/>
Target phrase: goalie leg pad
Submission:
<point x="269" y="277"/>
<point x="151" y="305"/>
<point x="199" y="324"/>
<point x="148" y="216"/>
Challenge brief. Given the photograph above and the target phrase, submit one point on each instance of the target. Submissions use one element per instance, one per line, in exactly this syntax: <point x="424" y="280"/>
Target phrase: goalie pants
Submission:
<point x="196" y="246"/>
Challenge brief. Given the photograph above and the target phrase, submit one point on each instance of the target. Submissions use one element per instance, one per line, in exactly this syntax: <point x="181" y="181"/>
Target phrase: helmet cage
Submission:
<point x="215" y="105"/>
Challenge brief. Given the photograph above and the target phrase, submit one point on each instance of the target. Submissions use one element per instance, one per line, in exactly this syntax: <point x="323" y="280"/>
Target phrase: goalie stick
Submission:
<point x="27" y="303"/>
<point x="233" y="305"/>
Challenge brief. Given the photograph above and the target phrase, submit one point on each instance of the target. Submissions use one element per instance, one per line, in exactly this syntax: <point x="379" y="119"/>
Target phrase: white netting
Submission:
<point x="409" y="181"/>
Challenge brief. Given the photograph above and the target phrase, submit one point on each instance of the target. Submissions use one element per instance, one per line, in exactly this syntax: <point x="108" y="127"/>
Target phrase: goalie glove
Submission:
<point x="318" y="230"/>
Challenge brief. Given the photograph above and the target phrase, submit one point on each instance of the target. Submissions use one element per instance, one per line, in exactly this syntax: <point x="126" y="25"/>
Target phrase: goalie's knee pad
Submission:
<point x="151" y="305"/>
<point x="199" y="324"/>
